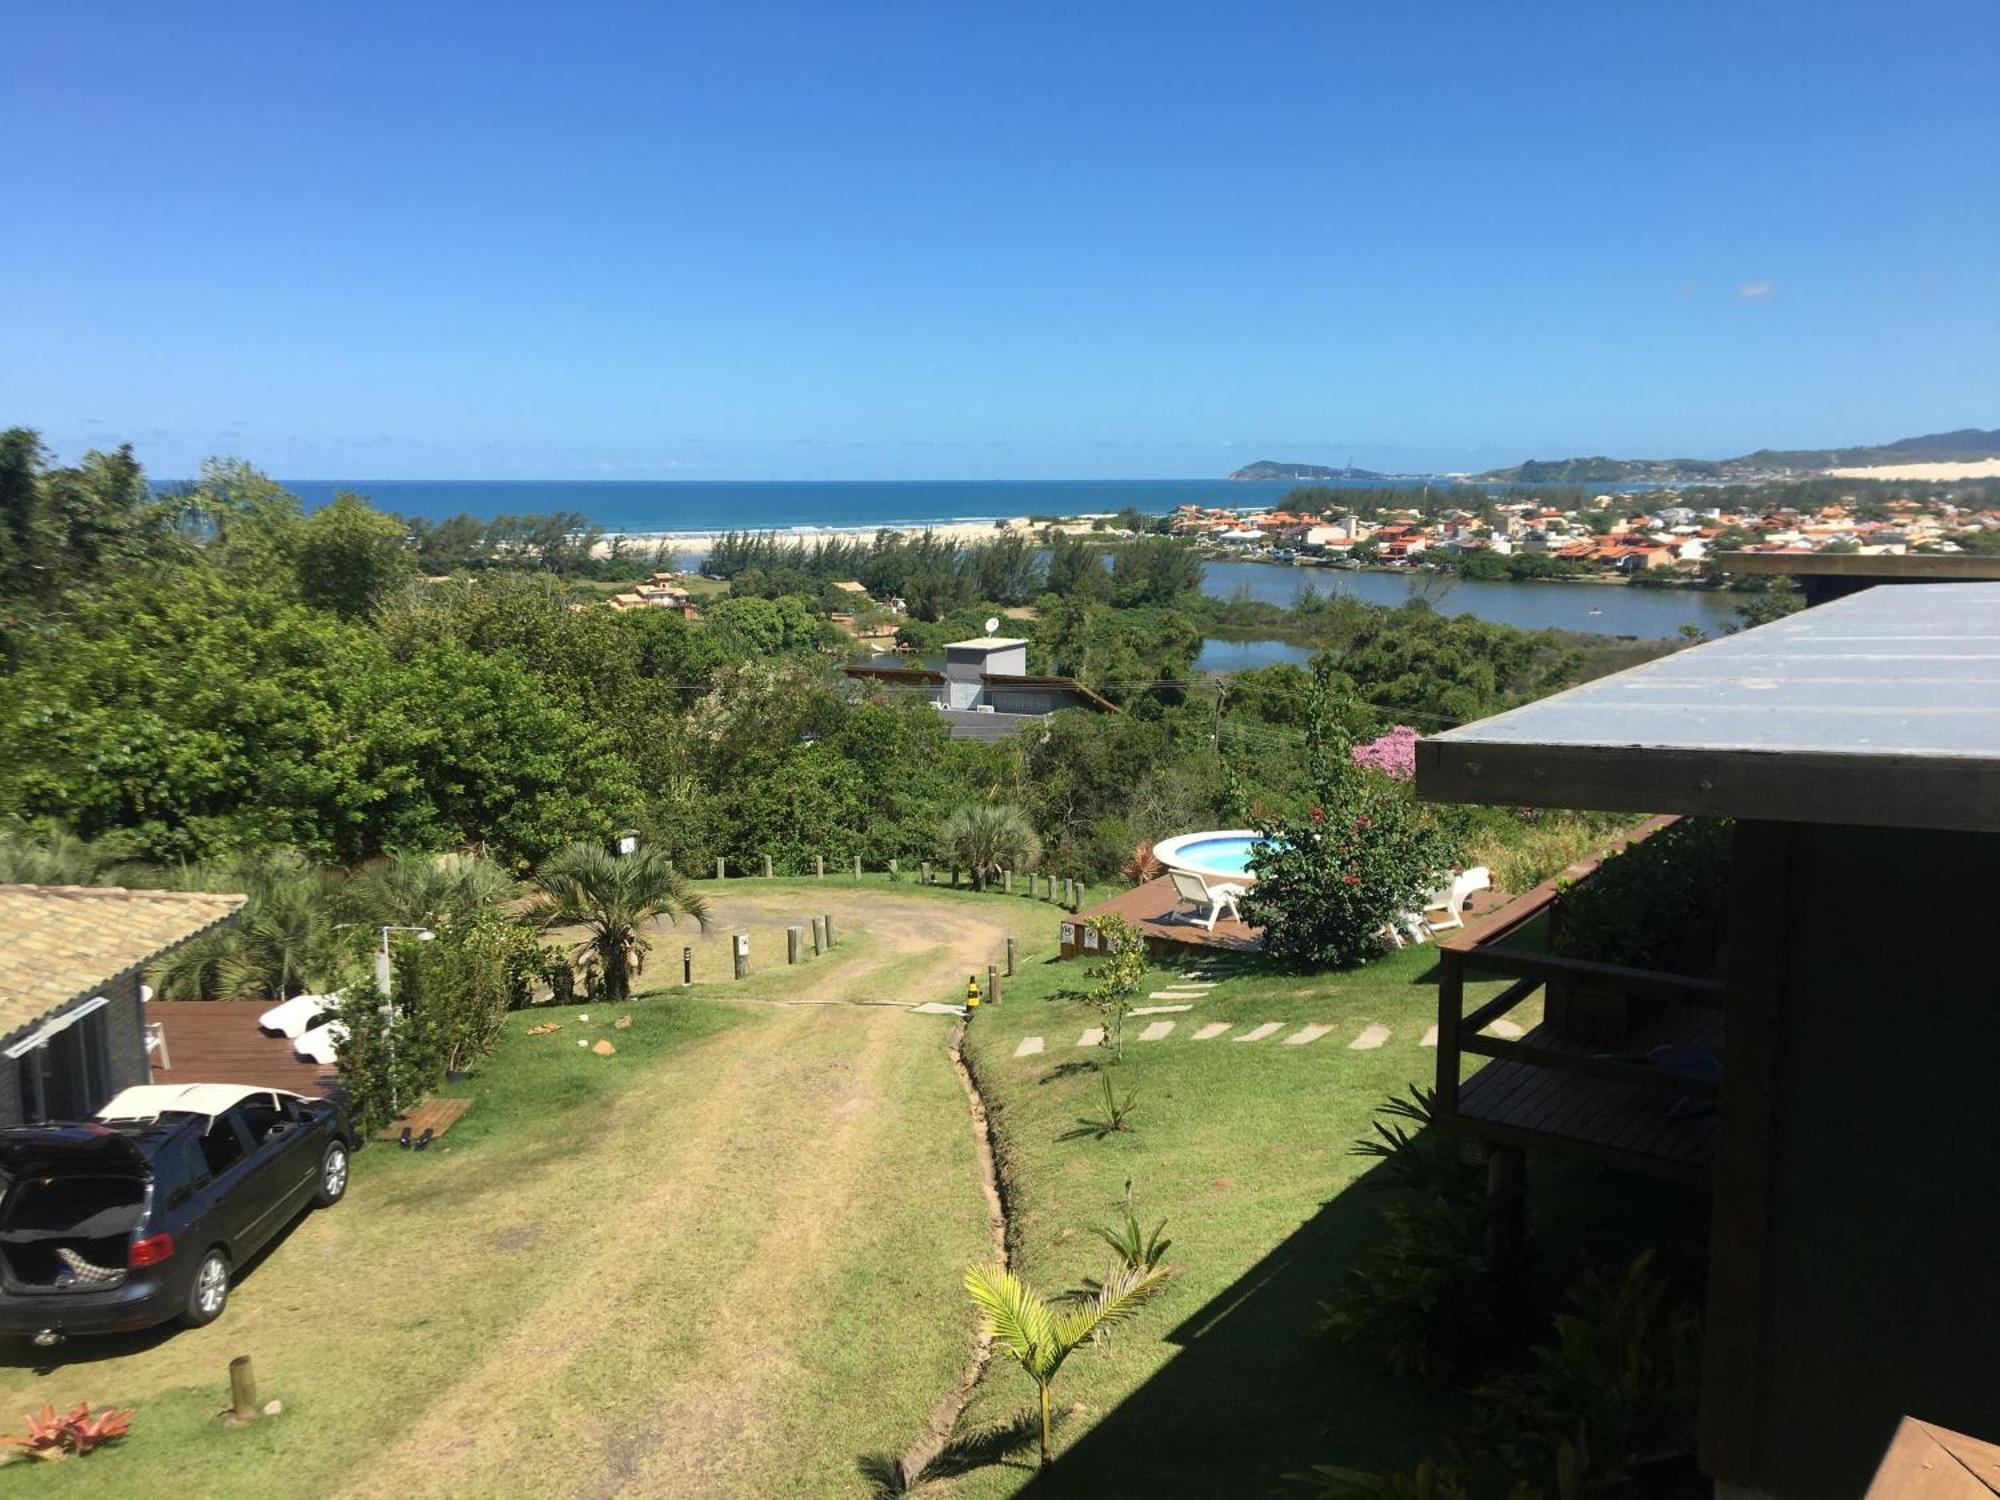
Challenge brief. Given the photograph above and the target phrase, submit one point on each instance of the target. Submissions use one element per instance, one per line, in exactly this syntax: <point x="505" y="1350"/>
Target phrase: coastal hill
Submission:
<point x="1966" y="445"/>
<point x="1266" y="468"/>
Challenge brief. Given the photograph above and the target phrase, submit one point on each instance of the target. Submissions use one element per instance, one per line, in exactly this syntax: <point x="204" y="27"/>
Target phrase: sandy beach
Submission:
<point x="1985" y="468"/>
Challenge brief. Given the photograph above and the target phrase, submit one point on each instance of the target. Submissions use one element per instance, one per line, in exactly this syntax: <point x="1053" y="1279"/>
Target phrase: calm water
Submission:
<point x="1619" y="609"/>
<point x="1241" y="656"/>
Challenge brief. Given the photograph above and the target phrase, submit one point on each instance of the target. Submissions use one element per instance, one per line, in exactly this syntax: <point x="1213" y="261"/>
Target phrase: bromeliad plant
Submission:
<point x="51" y="1437"/>
<point x="1038" y="1337"/>
<point x="1113" y="1112"/>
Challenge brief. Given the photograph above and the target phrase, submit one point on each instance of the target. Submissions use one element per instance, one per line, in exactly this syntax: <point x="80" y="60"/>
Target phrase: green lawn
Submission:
<point x="1243" y="1147"/>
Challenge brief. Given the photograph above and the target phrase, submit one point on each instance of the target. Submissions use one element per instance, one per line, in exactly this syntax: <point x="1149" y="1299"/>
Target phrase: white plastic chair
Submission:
<point x="1193" y="889"/>
<point x="1450" y="899"/>
<point x="156" y="1043"/>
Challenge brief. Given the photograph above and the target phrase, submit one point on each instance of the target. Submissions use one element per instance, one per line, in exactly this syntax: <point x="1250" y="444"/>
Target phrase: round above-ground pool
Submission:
<point x="1223" y="854"/>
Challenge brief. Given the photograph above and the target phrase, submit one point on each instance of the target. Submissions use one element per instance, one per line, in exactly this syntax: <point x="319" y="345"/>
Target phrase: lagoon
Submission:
<point x="1592" y="608"/>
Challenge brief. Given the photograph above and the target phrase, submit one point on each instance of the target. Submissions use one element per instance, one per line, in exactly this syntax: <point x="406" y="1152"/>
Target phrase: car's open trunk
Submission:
<point x="90" y="1216"/>
<point x="75" y="1188"/>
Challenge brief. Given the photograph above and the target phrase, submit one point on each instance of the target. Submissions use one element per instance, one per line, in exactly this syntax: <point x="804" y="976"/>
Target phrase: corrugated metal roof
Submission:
<point x="60" y="943"/>
<point x="1881" y="708"/>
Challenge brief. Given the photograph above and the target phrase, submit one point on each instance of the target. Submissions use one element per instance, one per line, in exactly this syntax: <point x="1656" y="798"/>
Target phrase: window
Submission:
<point x="222" y="1143"/>
<point x="180" y="1170"/>
<point x="259" y="1113"/>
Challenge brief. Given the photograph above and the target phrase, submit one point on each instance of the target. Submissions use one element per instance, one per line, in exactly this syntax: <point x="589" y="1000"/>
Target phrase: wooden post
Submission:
<point x="1506" y="1207"/>
<point x="1010" y="955"/>
<point x="992" y="984"/>
<point x="794" y="940"/>
<point x="831" y="940"/>
<point x="242" y="1391"/>
<point x="857" y="867"/>
<point x="819" y="936"/>
<point x="687" y="966"/>
<point x="767" y="867"/>
<point x="718" y="869"/>
<point x="1451" y="1010"/>
<point x="819" y="867"/>
<point x="742" y="947"/>
<point x="1006" y="882"/>
<point x="894" y="873"/>
<point x="924" y="878"/>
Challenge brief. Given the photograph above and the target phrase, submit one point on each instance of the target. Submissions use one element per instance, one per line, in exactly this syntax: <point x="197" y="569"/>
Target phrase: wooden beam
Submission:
<point x="1609" y="1069"/>
<point x="1542" y="967"/>
<point x="1954" y="792"/>
<point x="1760" y="897"/>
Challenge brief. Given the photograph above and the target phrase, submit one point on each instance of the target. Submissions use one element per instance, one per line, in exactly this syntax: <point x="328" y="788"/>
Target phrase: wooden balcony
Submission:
<point x="1647" y="1105"/>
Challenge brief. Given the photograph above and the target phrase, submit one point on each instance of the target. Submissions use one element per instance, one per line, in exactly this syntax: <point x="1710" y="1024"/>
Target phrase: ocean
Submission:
<point x="697" y="505"/>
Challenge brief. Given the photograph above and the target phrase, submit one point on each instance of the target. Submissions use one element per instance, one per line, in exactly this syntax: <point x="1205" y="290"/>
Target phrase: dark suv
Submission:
<point x="142" y="1215"/>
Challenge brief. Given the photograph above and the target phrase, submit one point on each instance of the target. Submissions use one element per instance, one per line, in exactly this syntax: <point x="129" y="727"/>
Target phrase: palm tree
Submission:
<point x="285" y="940"/>
<point x="1039" y="1337"/>
<point x="428" y="890"/>
<point x="986" y="838"/>
<point x="612" y="897"/>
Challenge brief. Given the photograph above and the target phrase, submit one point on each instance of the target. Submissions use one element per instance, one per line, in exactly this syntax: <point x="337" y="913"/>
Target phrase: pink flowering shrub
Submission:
<point x="1395" y="754"/>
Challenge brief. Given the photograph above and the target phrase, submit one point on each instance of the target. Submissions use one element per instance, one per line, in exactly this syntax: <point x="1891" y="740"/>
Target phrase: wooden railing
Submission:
<point x="1481" y="949"/>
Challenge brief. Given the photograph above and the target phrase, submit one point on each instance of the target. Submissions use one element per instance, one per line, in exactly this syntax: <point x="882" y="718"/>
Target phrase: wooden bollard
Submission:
<point x="992" y="984"/>
<point x="857" y="867"/>
<point x="767" y="867"/>
<point x="819" y="867"/>
<point x="819" y="936"/>
<point x="1010" y="955"/>
<point x="742" y="947"/>
<point x="893" y="872"/>
<point x="1007" y="882"/>
<point x="924" y="877"/>
<point x="794" y="941"/>
<point x="242" y="1391"/>
<point x="831" y="940"/>
<point x="719" y="869"/>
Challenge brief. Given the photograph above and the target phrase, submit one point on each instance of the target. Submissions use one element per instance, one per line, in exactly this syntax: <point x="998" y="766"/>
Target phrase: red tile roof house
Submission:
<point x="72" y="959"/>
<point x="1847" y="1148"/>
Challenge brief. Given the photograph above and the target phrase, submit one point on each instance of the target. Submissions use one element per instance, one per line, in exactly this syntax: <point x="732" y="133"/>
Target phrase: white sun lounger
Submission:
<point x="298" y="1015"/>
<point x="1191" y="888"/>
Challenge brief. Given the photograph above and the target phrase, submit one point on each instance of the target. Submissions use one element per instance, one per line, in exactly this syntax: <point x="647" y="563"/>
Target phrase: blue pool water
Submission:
<point x="1224" y="856"/>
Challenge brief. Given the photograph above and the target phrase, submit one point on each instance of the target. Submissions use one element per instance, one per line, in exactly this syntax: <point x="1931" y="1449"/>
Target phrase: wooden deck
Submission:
<point x="217" y="1041"/>
<point x="1652" y="1130"/>
<point x="1168" y="925"/>
<point x="1171" y="926"/>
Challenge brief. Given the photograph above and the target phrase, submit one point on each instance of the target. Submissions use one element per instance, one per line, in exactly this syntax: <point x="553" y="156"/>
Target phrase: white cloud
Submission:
<point x="1756" y="291"/>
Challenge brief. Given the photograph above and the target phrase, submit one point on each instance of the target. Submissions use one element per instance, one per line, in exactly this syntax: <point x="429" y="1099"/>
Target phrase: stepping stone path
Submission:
<point x="1369" y="1040"/>
<point x="1156" y="1031"/>
<point x="936" y="1008"/>
<point x="1030" y="1045"/>
<point x="1177" y="995"/>
<point x="1505" y="1029"/>
<point x="1212" y="1030"/>
<point x="1258" y="1033"/>
<point x="1094" y="1037"/>
<point x="1158" y="1010"/>
<point x="1430" y="1038"/>
<point x="1306" y="1034"/>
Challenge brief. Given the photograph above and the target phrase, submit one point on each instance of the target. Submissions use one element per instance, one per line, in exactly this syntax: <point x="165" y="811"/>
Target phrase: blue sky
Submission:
<point x="1002" y="240"/>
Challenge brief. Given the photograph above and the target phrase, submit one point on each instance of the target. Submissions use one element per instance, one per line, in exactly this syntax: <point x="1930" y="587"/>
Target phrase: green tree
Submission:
<point x="350" y="556"/>
<point x="1076" y="570"/>
<point x="612" y="898"/>
<point x="1158" y="571"/>
<point x="986" y="838"/>
<point x="1038" y="1337"/>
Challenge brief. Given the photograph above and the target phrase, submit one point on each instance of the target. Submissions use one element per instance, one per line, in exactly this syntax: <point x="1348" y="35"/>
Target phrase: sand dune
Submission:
<point x="1985" y="468"/>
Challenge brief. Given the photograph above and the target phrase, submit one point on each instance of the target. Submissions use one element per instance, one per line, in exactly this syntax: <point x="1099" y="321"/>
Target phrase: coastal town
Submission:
<point x="1662" y="534"/>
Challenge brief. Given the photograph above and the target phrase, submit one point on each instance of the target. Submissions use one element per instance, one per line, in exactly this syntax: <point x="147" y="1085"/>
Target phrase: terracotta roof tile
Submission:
<point x="59" y="943"/>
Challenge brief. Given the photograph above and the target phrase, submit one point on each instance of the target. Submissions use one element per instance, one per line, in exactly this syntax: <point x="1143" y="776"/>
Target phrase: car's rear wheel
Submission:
<point x="210" y="1292"/>
<point x="332" y="1176"/>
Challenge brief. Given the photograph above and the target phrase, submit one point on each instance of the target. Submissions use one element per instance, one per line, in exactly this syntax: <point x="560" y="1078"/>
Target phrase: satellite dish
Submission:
<point x="992" y="624"/>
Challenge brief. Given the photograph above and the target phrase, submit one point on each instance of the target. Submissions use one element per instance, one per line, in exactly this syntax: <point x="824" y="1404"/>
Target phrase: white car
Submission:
<point x="298" y="1015"/>
<point x="321" y="1044"/>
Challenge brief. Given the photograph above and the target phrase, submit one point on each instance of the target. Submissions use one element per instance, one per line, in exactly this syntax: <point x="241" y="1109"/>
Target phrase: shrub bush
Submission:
<point x="1655" y="905"/>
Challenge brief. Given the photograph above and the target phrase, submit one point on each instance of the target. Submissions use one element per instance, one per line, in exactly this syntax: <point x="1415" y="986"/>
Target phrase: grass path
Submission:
<point x="722" y="1263"/>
